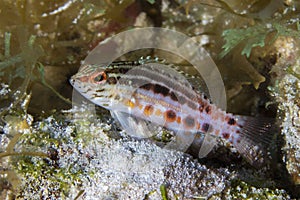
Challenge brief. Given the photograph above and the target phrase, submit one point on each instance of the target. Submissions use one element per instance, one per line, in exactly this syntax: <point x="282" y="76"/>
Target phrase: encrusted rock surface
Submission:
<point x="288" y="97"/>
<point x="83" y="161"/>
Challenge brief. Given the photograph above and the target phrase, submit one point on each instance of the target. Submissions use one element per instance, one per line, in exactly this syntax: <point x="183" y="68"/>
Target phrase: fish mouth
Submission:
<point x="72" y="80"/>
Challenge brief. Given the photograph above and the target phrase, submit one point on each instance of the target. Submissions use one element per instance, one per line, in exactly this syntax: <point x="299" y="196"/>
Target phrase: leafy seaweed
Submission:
<point x="255" y="36"/>
<point x="163" y="191"/>
<point x="284" y="31"/>
<point x="21" y="69"/>
<point x="17" y="70"/>
<point x="151" y="1"/>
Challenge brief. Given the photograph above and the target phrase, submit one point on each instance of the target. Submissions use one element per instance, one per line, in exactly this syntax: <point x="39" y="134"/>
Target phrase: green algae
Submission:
<point x="242" y="190"/>
<point x="44" y="35"/>
<point x="21" y="65"/>
<point x="20" y="70"/>
<point x="287" y="95"/>
<point x="71" y="163"/>
<point x="256" y="36"/>
<point x="48" y="168"/>
<point x="163" y="192"/>
<point x="151" y="1"/>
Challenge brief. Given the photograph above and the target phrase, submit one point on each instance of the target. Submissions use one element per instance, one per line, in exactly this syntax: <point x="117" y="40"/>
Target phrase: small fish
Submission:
<point x="157" y="93"/>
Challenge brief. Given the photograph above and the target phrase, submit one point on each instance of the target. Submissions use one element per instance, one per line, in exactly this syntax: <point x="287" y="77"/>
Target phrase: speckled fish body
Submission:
<point x="158" y="94"/>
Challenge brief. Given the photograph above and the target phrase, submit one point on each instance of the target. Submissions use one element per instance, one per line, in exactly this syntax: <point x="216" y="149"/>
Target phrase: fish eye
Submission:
<point x="99" y="77"/>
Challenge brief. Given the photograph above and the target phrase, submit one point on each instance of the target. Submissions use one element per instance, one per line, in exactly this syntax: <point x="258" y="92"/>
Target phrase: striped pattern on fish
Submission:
<point x="156" y="93"/>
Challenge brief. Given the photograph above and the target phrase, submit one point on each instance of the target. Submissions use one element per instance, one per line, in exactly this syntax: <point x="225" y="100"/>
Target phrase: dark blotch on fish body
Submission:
<point x="173" y="96"/>
<point x="225" y="135"/>
<point x="170" y="116"/>
<point x="205" y="127"/>
<point x="161" y="89"/>
<point x="201" y="108"/>
<point x="208" y="110"/>
<point x="189" y="121"/>
<point x="231" y="121"/>
<point x="147" y="86"/>
<point x="99" y="90"/>
<point x="117" y="69"/>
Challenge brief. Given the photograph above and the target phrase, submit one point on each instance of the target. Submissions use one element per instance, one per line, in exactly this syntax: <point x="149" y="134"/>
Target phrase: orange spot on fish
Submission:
<point x="217" y="132"/>
<point x="130" y="104"/>
<point x="198" y="125"/>
<point x="226" y="135"/>
<point x="158" y="112"/>
<point x="170" y="116"/>
<point x="227" y="118"/>
<point x="178" y="120"/>
<point x="148" y="110"/>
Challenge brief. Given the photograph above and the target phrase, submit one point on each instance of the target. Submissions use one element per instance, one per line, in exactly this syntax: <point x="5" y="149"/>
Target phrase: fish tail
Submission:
<point x="256" y="135"/>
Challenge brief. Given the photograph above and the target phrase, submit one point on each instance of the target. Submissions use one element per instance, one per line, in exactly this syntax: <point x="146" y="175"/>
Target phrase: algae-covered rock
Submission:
<point x="241" y="190"/>
<point x="283" y="59"/>
<point x="83" y="159"/>
<point x="288" y="97"/>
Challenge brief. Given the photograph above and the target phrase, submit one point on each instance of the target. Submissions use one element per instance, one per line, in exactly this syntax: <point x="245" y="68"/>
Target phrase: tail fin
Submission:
<point x="256" y="138"/>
